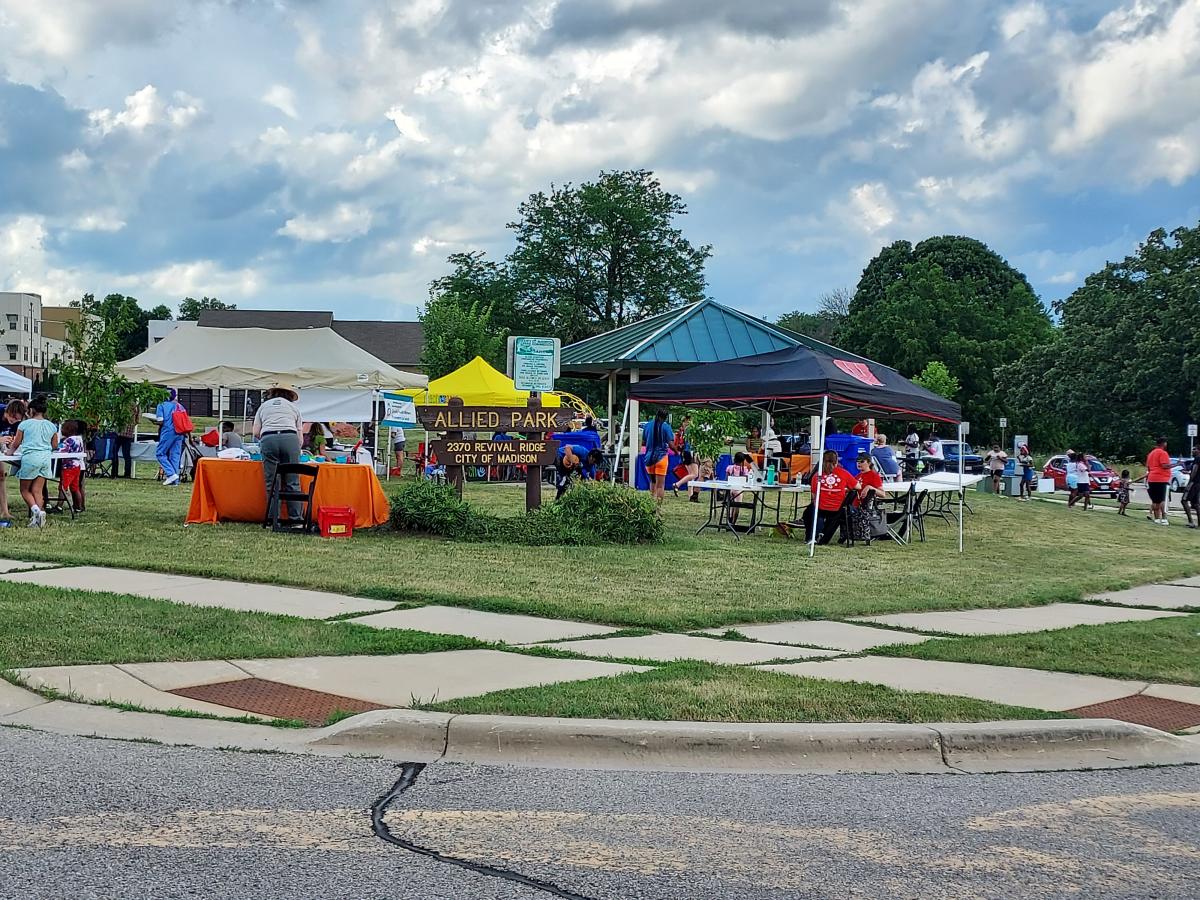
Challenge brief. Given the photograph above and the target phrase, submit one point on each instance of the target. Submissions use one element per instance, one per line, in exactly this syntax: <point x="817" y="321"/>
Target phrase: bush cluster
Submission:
<point x="589" y="513"/>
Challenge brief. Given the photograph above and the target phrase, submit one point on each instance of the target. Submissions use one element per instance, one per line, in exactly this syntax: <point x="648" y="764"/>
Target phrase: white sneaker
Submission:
<point x="170" y="479"/>
<point x="41" y="518"/>
<point x="1163" y="522"/>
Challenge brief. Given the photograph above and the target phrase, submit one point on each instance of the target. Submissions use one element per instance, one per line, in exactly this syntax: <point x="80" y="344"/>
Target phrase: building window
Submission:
<point x="26" y="349"/>
<point x="35" y="356"/>
<point x="35" y="326"/>
<point x="13" y="322"/>
<point x="12" y="351"/>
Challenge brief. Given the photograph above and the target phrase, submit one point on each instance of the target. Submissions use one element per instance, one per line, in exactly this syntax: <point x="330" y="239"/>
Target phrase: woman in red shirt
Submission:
<point x="1158" y="475"/>
<point x="833" y="482"/>
<point x="870" y="482"/>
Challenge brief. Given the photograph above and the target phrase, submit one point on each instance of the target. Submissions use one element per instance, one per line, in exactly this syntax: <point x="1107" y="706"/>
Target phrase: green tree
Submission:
<point x="456" y="333"/>
<point x="600" y="255"/>
<point x="190" y="308"/>
<point x="1125" y="364"/>
<point x="90" y="387"/>
<point x="937" y="378"/>
<point x="826" y="323"/>
<point x="476" y="281"/>
<point x="949" y="299"/>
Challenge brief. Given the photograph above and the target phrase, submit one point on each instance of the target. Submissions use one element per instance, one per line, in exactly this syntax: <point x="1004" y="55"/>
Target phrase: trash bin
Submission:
<point x="1012" y="485"/>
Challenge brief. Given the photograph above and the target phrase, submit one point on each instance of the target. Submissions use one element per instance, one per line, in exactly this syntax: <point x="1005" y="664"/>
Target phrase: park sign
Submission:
<point x="495" y="453"/>
<point x="519" y="419"/>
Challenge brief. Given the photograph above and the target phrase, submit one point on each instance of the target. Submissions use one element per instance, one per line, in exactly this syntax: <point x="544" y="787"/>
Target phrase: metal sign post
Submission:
<point x="964" y="428"/>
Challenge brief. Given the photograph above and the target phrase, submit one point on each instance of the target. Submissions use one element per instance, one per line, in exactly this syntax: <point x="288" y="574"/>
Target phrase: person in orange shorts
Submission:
<point x="71" y="471"/>
<point x="657" y="437"/>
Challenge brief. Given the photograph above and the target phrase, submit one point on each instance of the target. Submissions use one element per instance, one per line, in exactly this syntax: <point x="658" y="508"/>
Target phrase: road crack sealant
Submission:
<point x="408" y="777"/>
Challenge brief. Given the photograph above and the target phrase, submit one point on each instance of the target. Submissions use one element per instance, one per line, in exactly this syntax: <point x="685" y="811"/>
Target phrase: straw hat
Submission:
<point x="286" y="387"/>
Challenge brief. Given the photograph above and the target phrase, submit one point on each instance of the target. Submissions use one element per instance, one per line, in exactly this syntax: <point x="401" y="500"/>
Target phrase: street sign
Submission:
<point x="964" y="428"/>
<point x="399" y="411"/>
<point x="1003" y="422"/>
<point x="532" y="420"/>
<point x="495" y="453"/>
<point x="1192" y="430"/>
<point x="534" y="362"/>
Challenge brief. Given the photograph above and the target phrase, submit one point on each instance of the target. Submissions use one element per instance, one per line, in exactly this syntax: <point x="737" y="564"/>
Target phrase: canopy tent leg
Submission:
<point x="961" y="439"/>
<point x="816" y="470"/>
<point x="635" y="431"/>
<point x="608" y="411"/>
<point x="375" y="426"/>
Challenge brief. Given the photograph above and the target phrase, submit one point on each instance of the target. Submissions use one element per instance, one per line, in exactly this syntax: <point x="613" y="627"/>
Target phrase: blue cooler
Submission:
<point x="848" y="447"/>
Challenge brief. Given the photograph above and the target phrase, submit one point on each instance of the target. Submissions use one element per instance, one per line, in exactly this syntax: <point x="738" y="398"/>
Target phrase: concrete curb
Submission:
<point x="403" y="734"/>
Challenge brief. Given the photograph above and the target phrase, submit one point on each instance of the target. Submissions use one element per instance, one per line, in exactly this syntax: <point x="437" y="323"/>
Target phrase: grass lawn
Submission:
<point x="42" y="626"/>
<point x="1166" y="650"/>
<point x="702" y="692"/>
<point x="1015" y="556"/>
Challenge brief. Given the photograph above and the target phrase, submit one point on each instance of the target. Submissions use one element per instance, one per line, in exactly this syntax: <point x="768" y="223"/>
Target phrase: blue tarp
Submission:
<point x="643" y="480"/>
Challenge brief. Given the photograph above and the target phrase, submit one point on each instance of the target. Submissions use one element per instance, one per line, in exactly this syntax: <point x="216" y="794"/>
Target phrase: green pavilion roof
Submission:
<point x="701" y="332"/>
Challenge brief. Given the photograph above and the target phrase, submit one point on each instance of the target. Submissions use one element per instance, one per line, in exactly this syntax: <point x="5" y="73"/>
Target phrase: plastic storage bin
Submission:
<point x="336" y="521"/>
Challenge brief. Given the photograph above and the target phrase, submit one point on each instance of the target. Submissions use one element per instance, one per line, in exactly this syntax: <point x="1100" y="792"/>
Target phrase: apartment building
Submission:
<point x="22" y="348"/>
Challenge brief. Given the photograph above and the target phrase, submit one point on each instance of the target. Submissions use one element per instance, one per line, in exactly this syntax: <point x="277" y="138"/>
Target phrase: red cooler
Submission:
<point x="336" y="521"/>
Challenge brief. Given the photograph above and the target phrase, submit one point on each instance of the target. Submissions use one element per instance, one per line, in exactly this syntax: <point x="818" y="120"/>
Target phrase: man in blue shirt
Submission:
<point x="658" y="437"/>
<point x="885" y="456"/>
<point x="170" y="442"/>
<point x="574" y="458"/>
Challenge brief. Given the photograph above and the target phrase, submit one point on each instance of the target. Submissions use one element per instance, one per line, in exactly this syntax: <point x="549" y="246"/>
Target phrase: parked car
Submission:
<point x="1104" y="477"/>
<point x="1181" y="473"/>
<point x="972" y="462"/>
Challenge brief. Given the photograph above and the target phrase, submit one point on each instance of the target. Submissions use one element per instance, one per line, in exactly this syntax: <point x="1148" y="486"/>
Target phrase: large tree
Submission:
<point x="477" y="282"/>
<point x="826" y="323"/>
<point x="953" y="300"/>
<point x="190" y="308"/>
<point x="455" y="333"/>
<point x="1125" y="364"/>
<point x="603" y="254"/>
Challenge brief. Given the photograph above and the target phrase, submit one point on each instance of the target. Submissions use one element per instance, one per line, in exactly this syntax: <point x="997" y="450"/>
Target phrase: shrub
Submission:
<point x="589" y="513"/>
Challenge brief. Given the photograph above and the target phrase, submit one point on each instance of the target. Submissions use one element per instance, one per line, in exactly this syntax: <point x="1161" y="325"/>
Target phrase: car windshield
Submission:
<point x="1096" y="466"/>
<point x="951" y="447"/>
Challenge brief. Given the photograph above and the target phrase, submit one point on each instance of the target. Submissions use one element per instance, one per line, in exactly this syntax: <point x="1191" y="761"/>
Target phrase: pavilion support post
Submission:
<point x="816" y="479"/>
<point x="635" y="431"/>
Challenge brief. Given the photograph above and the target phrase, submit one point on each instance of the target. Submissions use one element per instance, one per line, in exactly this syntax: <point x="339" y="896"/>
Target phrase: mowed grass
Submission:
<point x="1163" y="650"/>
<point x="42" y="626"/>
<point x="1017" y="554"/>
<point x="703" y="692"/>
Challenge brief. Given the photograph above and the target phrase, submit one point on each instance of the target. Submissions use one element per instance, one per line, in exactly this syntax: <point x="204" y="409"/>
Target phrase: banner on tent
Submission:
<point x="337" y="405"/>
<point x="399" y="410"/>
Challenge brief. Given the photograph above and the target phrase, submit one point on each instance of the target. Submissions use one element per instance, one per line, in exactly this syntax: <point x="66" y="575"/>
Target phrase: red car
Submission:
<point x="1104" y="478"/>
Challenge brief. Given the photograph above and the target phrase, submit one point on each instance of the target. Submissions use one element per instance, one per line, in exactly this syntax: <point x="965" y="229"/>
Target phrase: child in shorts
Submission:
<point x="71" y="473"/>
<point x="36" y="438"/>
<point x="1123" y="492"/>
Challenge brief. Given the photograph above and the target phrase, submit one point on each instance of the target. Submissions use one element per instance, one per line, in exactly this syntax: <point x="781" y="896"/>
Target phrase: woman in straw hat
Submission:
<point x="277" y="429"/>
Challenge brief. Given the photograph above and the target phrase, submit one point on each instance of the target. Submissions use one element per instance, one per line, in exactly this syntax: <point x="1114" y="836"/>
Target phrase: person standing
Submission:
<point x="1191" y="496"/>
<point x="1083" y="480"/>
<point x="399" y="441"/>
<point x="658" y="437"/>
<point x="36" y="438"/>
<point x="277" y="428"/>
<point x="1025" y="461"/>
<point x="11" y="416"/>
<point x="1158" y="477"/>
<point x="1123" y="485"/>
<point x="122" y="446"/>
<point x="996" y="459"/>
<point x="933" y="447"/>
<point x="860" y="428"/>
<point x="170" y="442"/>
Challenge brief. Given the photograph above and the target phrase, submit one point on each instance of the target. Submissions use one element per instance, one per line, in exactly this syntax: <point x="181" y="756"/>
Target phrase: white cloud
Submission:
<point x="203" y="276"/>
<point x="344" y="222"/>
<point x="1029" y="19"/>
<point x="407" y="125"/>
<point x="1068" y="277"/>
<point x="99" y="220"/>
<point x="873" y="206"/>
<point x="144" y="109"/>
<point x="75" y="161"/>
<point x="282" y="98"/>
<point x="25" y="263"/>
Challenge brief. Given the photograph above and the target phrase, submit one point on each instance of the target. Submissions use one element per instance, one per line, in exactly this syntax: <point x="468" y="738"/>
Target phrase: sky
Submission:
<point x="329" y="154"/>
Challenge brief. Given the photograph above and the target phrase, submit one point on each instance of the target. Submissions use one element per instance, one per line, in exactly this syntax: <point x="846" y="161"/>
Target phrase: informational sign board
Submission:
<point x="531" y="420"/>
<point x="399" y="411"/>
<point x="1192" y="430"/>
<point x="495" y="453"/>
<point x="534" y="362"/>
<point x="964" y="428"/>
<point x="1003" y="422"/>
<point x="1019" y="441"/>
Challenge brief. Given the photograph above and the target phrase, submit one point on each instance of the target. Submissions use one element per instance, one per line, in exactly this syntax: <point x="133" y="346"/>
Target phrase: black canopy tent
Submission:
<point x="802" y="379"/>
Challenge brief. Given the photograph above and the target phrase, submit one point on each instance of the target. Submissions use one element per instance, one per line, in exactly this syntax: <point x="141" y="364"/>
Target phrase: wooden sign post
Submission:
<point x="533" y="450"/>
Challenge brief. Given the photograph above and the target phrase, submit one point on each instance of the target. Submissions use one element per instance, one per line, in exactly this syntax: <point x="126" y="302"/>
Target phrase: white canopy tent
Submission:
<point x="336" y="379"/>
<point x="12" y="383"/>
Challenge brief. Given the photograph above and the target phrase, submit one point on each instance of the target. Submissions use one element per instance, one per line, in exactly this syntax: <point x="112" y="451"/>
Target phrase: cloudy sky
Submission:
<point x="329" y="154"/>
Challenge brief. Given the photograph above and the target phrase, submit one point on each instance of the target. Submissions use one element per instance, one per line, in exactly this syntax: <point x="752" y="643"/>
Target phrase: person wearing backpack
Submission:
<point x="174" y="426"/>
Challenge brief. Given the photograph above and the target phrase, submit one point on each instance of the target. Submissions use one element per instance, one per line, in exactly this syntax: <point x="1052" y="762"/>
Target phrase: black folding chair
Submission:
<point x="280" y="494"/>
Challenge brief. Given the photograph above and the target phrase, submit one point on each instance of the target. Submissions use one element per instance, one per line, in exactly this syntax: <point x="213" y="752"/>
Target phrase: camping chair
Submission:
<point x="102" y="456"/>
<point x="898" y="521"/>
<point x="418" y="460"/>
<point x="280" y="495"/>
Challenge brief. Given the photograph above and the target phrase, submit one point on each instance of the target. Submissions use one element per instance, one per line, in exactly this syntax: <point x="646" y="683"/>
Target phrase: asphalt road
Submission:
<point x="86" y="818"/>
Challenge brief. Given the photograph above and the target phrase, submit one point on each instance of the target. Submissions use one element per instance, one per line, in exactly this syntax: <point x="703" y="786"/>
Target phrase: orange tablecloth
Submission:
<point x="228" y="490"/>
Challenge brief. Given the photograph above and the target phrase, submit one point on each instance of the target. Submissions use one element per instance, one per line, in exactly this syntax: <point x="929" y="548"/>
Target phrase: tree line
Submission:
<point x="1107" y="368"/>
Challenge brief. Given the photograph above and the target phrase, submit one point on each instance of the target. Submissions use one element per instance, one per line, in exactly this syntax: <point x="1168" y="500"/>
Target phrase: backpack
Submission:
<point x="181" y="422"/>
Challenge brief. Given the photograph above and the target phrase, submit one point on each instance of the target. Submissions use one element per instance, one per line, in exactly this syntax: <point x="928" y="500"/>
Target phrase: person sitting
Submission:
<point x="229" y="437"/>
<point x="870" y="482"/>
<point x="741" y="467"/>
<point x="885" y="457"/>
<point x="824" y="515"/>
<point x="754" y="443"/>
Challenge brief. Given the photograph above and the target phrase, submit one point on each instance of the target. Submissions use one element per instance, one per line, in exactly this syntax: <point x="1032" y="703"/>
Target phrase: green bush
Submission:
<point x="589" y="513"/>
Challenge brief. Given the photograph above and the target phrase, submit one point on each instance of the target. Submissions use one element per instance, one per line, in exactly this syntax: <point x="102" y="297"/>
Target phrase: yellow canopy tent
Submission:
<point x="478" y="384"/>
